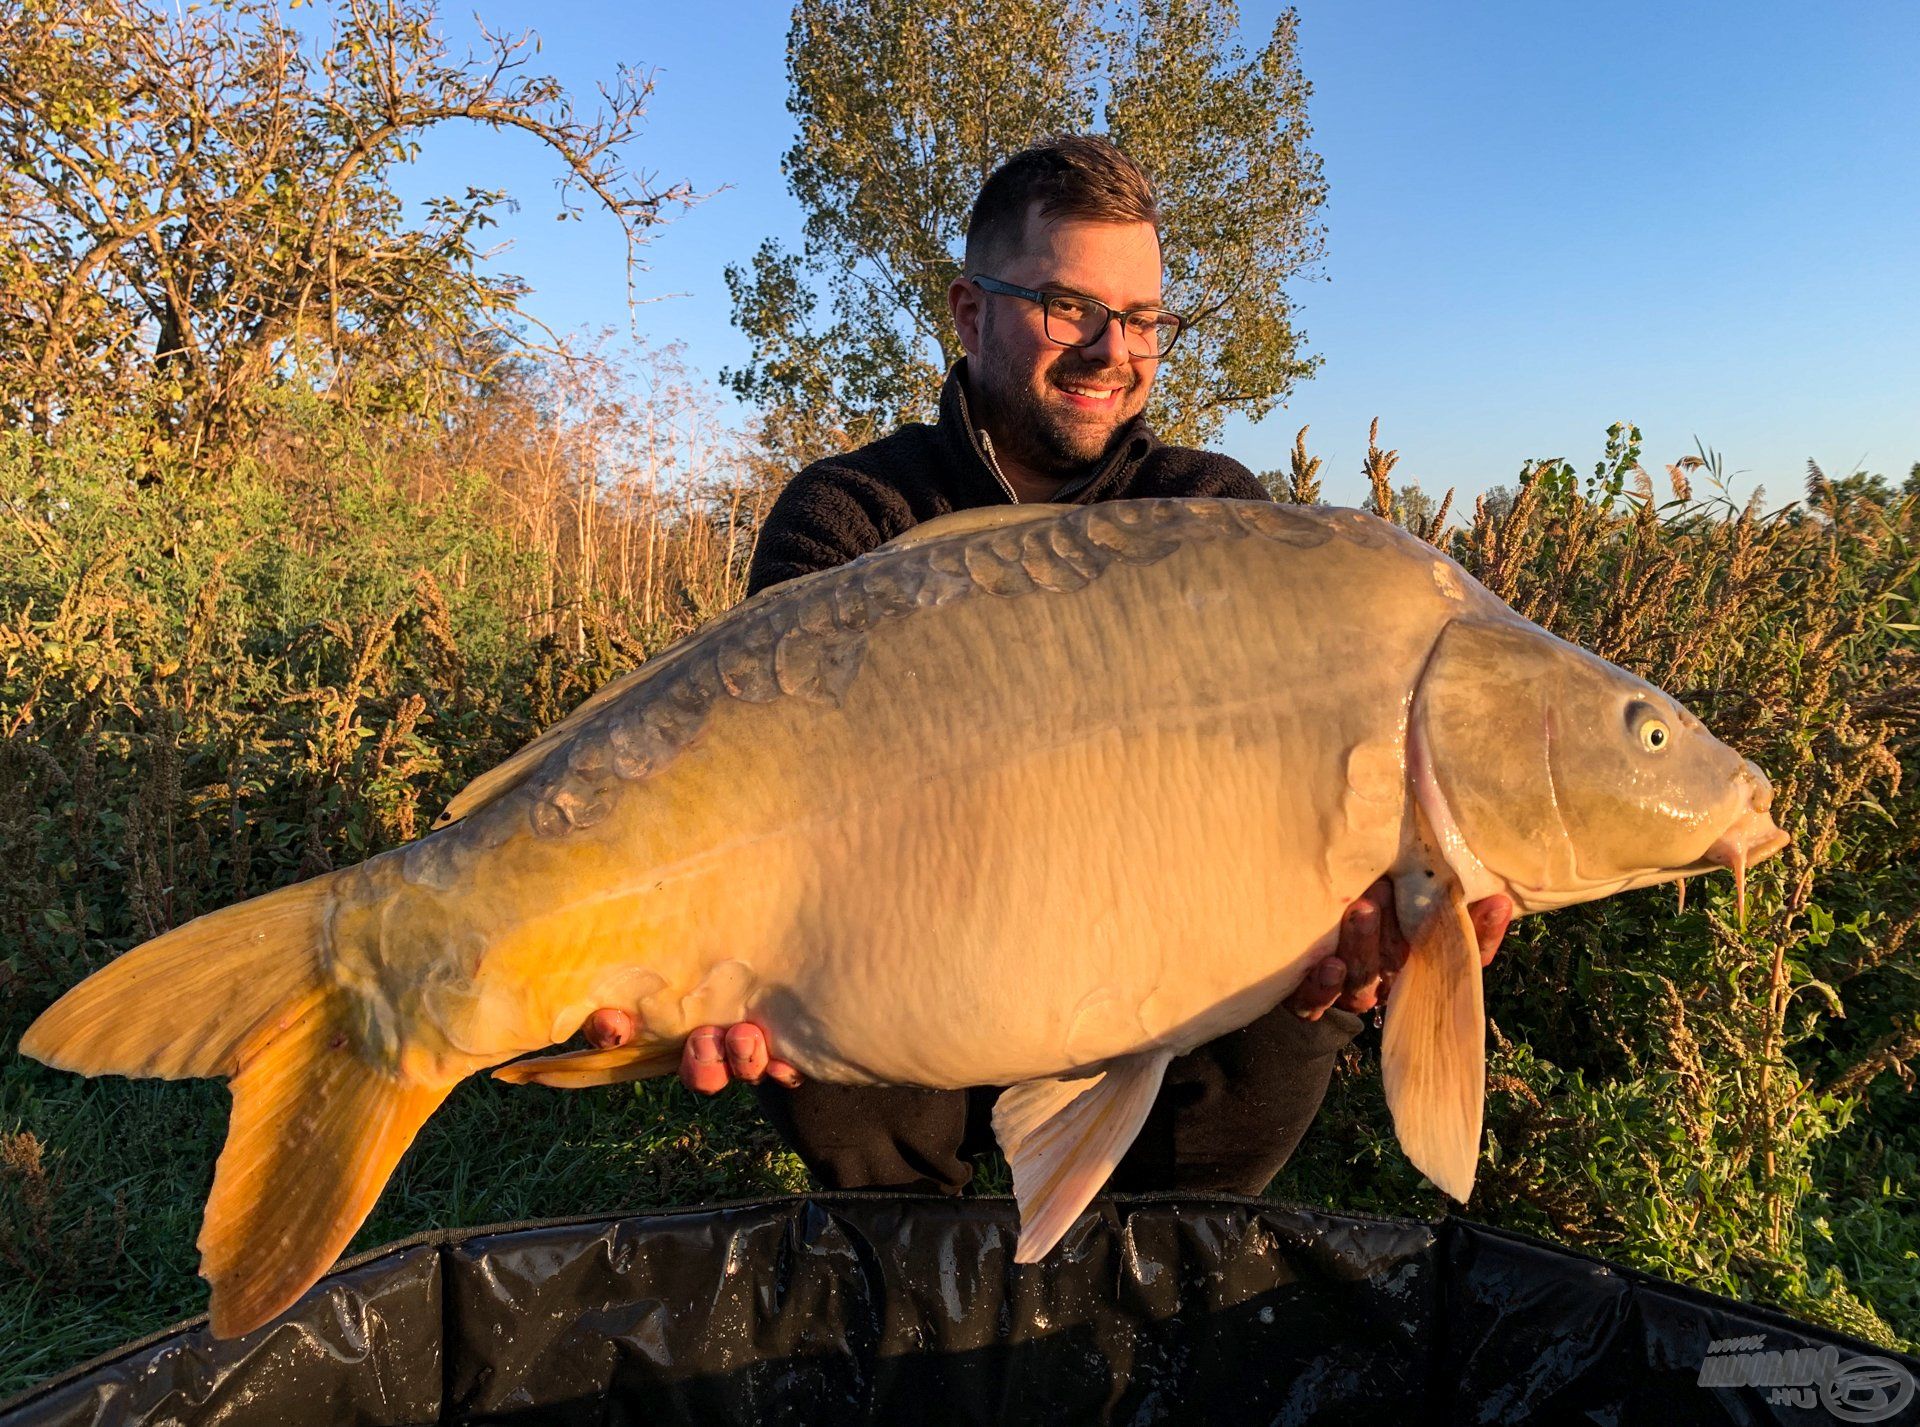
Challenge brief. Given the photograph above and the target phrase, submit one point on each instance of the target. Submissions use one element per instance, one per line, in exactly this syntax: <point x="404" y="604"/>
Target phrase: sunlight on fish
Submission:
<point x="851" y="810"/>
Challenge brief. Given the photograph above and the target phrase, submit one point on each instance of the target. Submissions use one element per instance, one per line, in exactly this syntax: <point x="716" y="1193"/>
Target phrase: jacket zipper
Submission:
<point x="983" y="447"/>
<point x="993" y="464"/>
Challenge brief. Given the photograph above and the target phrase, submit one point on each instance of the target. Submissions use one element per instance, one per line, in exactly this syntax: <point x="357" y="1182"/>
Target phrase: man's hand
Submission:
<point x="714" y="1054"/>
<point x="1359" y="974"/>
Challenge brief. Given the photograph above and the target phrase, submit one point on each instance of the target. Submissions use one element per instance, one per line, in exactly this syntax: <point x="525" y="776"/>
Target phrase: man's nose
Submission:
<point x="1111" y="345"/>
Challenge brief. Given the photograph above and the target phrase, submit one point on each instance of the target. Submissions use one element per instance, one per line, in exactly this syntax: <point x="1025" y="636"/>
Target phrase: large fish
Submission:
<point x="1037" y="796"/>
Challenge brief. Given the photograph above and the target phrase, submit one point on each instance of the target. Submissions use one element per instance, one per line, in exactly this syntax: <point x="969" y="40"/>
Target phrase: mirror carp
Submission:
<point x="1035" y="796"/>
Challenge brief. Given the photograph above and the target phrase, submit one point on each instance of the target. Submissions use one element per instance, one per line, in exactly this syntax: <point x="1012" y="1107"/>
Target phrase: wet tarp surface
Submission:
<point x="850" y="1308"/>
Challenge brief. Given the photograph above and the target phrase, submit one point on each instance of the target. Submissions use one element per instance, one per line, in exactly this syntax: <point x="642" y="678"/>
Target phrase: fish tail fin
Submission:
<point x="315" y="1130"/>
<point x="1433" y="1052"/>
<point x="189" y="1003"/>
<point x="315" y="1133"/>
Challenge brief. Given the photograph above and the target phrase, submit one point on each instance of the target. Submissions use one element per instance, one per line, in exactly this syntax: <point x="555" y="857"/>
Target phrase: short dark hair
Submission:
<point x="1076" y="176"/>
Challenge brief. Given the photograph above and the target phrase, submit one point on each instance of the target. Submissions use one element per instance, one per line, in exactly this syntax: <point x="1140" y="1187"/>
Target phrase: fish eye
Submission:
<point x="1649" y="728"/>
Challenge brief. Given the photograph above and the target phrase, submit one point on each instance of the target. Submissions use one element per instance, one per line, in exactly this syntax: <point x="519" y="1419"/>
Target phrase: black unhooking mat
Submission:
<point x="852" y="1308"/>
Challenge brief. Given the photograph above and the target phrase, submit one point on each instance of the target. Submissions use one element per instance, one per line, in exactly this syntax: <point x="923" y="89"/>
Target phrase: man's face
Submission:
<point x="1056" y="407"/>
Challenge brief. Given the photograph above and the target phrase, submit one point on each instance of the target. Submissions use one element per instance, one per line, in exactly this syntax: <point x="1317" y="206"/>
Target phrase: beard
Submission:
<point x="1041" y="436"/>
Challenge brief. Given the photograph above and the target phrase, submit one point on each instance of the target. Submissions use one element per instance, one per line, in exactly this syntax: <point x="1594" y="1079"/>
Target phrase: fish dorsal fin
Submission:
<point x="970" y="522"/>
<point x="497" y="782"/>
<point x="1063" y="1138"/>
<point x="515" y="771"/>
<point x="1433" y="1052"/>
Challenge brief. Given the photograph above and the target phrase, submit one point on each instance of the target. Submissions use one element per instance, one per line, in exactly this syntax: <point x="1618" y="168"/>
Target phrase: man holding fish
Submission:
<point x="1066" y="798"/>
<point x="1059" y="311"/>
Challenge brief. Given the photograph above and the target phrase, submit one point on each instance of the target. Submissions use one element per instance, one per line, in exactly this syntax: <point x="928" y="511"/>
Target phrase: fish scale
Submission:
<point x="808" y="642"/>
<point x="983" y="774"/>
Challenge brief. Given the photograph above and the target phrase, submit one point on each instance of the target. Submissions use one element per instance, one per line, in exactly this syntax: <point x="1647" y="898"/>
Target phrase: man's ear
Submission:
<point x="968" y="306"/>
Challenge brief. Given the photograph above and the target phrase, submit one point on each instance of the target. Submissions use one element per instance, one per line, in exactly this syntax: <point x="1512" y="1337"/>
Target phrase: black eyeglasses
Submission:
<point x="1071" y="320"/>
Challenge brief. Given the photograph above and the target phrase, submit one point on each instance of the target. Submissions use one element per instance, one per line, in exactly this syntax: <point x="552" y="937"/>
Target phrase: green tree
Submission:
<point x="1413" y="508"/>
<point x="194" y="200"/>
<point x="904" y="109"/>
<point x="1832" y="494"/>
<point x="1225" y="137"/>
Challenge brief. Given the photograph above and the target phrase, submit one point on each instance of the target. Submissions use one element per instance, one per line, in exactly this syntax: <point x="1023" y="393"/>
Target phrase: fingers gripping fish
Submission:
<point x="894" y="812"/>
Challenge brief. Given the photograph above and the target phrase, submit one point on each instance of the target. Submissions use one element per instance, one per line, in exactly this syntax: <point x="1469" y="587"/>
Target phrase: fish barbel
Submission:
<point x="1037" y="796"/>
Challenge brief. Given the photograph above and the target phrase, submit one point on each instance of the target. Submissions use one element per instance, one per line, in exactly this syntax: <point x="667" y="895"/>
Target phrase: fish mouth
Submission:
<point x="1753" y="838"/>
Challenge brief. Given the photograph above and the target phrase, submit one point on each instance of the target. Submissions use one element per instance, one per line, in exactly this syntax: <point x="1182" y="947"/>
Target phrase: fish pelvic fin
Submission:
<point x="315" y="1133"/>
<point x="1433" y="1051"/>
<point x="583" y="1069"/>
<point x="1062" y="1139"/>
<point x="190" y="1002"/>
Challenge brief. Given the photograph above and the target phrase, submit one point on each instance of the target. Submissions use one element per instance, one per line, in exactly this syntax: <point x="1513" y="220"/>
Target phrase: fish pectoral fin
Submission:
<point x="1063" y="1138"/>
<point x="1433" y="1052"/>
<point x="583" y="1069"/>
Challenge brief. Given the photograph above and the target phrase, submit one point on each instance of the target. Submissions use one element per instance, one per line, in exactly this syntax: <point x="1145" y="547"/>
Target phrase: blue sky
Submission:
<point x="1542" y="218"/>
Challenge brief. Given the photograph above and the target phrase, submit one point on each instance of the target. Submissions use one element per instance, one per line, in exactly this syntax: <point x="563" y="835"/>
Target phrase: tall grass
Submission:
<point x="213" y="686"/>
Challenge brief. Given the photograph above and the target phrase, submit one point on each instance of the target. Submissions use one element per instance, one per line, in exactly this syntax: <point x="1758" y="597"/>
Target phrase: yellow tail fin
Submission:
<point x="316" y="1128"/>
<point x="188" y="1003"/>
<point x="315" y="1133"/>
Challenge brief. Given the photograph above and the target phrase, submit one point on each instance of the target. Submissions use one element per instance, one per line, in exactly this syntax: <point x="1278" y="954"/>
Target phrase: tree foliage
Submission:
<point x="1225" y="137"/>
<point x="194" y="201"/>
<point x="903" y="110"/>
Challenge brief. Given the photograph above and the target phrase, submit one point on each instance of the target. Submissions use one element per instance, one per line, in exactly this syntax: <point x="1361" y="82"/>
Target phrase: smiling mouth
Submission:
<point x="1090" y="394"/>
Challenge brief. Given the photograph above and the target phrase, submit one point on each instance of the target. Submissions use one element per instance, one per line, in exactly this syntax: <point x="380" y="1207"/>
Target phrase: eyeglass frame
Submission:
<point x="1042" y="298"/>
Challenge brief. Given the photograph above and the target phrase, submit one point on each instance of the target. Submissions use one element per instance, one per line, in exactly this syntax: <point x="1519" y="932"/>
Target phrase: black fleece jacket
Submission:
<point x="844" y="506"/>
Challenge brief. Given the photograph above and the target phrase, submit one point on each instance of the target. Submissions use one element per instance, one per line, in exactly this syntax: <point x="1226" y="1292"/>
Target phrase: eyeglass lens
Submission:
<point x="1078" y="321"/>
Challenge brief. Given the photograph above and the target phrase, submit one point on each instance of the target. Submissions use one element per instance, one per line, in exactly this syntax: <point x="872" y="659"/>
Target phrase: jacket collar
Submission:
<point x="981" y="483"/>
